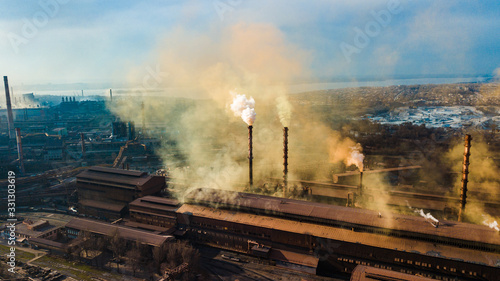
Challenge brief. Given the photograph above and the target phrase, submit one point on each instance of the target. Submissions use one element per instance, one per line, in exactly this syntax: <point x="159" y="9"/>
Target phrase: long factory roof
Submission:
<point x="112" y="175"/>
<point x="124" y="232"/>
<point x="340" y="234"/>
<point x="102" y="205"/>
<point x="155" y="202"/>
<point x="344" y="215"/>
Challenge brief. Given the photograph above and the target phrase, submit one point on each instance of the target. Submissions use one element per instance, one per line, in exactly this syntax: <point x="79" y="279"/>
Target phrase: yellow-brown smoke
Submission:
<point x="484" y="179"/>
<point x="204" y="144"/>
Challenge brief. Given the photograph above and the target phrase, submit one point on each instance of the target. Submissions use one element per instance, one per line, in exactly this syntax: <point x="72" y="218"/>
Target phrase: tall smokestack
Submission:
<point x="250" y="156"/>
<point x="20" y="150"/>
<point x="360" y="183"/>
<point x="110" y="95"/>
<point x="10" y="117"/>
<point x="82" y="137"/>
<point x="465" y="177"/>
<point x="285" y="160"/>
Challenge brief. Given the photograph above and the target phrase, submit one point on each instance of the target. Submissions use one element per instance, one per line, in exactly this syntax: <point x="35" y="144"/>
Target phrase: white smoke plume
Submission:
<point x="493" y="224"/>
<point x="427" y="216"/>
<point x="284" y="110"/>
<point x="356" y="157"/>
<point x="243" y="107"/>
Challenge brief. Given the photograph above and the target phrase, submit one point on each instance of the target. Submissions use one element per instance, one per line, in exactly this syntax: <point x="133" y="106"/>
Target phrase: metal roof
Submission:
<point x="111" y="175"/>
<point x="340" y="234"/>
<point x="124" y="232"/>
<point x="343" y="215"/>
<point x="292" y="257"/>
<point x="102" y="205"/>
<point x="47" y="242"/>
<point x="155" y="202"/>
<point x="367" y="273"/>
<point x="117" y="171"/>
<point x="148" y="227"/>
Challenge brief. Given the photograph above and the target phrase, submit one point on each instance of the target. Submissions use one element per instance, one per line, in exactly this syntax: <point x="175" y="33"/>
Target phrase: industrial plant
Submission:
<point x="250" y="140"/>
<point x="121" y="204"/>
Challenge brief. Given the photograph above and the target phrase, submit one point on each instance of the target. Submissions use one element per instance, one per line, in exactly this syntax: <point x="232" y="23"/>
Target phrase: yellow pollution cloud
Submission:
<point x="204" y="144"/>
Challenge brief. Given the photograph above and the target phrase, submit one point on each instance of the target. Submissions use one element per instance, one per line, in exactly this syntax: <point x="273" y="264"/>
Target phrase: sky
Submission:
<point x="86" y="41"/>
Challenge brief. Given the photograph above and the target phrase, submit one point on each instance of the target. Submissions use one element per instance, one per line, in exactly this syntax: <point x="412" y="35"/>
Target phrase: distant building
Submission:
<point x="54" y="149"/>
<point x="119" y="129"/>
<point x="23" y="114"/>
<point x="30" y="229"/>
<point x="62" y="132"/>
<point x="36" y="225"/>
<point x="106" y="192"/>
<point x="29" y="98"/>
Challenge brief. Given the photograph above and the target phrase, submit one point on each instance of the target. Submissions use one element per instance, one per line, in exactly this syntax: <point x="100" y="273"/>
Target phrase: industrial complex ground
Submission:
<point x="411" y="136"/>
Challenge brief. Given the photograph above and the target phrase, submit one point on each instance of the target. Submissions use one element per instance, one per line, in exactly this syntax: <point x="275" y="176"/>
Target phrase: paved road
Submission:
<point x="35" y="258"/>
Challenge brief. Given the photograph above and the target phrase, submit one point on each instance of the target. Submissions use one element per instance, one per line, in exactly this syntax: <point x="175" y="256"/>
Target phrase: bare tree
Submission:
<point x="69" y="252"/>
<point x="77" y="251"/>
<point x="134" y="258"/>
<point x="178" y="253"/>
<point x="100" y="245"/>
<point x="159" y="255"/>
<point x="117" y="245"/>
<point x="86" y="243"/>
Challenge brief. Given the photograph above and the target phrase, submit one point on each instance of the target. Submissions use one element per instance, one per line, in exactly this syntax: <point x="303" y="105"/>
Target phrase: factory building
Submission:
<point x="154" y="210"/>
<point x="271" y="238"/>
<point x="366" y="273"/>
<point x="341" y="237"/>
<point x="76" y="225"/>
<point x="467" y="235"/>
<point x="105" y="192"/>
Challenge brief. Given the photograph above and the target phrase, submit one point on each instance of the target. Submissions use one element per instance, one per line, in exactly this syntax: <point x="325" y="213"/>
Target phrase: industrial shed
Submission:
<point x="452" y="233"/>
<point x="294" y="261"/>
<point x="53" y="246"/>
<point x="366" y="273"/>
<point x="153" y="210"/>
<point x="76" y="225"/>
<point x="343" y="248"/>
<point x="106" y="192"/>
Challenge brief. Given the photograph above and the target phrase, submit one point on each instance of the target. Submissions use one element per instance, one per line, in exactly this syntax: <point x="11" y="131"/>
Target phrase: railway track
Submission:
<point x="228" y="271"/>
